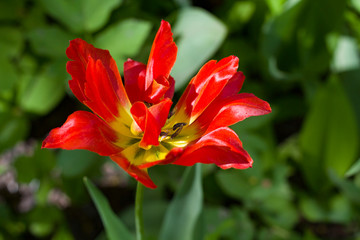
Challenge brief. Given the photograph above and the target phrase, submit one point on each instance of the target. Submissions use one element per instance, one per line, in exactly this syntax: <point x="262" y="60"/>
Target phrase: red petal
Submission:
<point x="151" y="120"/>
<point x="221" y="147"/>
<point x="102" y="100"/>
<point x="160" y="111"/>
<point x="170" y="92"/>
<point x="140" y="175"/>
<point x="233" y="86"/>
<point x="231" y="110"/>
<point x="84" y="130"/>
<point x="79" y="51"/>
<point x="147" y="124"/>
<point x="134" y="76"/>
<point x="162" y="56"/>
<point x="206" y="86"/>
<point x="157" y="90"/>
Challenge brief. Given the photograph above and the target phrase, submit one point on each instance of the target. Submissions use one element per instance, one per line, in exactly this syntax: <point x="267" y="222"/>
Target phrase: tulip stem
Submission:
<point x="139" y="221"/>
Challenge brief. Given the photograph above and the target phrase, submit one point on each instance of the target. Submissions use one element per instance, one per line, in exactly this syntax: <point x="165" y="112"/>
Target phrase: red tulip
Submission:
<point x="134" y="124"/>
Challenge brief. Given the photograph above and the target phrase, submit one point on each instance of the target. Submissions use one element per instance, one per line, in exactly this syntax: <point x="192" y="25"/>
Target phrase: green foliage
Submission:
<point x="325" y="145"/>
<point x="355" y="168"/>
<point x="76" y="163"/>
<point x="199" y="35"/>
<point x="80" y="15"/>
<point x="184" y="210"/>
<point x="50" y="41"/>
<point x="13" y="128"/>
<point x="113" y="226"/>
<point x="42" y="91"/>
<point x="38" y="166"/>
<point x="123" y="39"/>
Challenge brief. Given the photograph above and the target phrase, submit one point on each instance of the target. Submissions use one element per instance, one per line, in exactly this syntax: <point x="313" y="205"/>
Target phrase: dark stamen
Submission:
<point x="177" y="128"/>
<point x="178" y="125"/>
<point x="163" y="134"/>
<point x="176" y="133"/>
<point x="147" y="104"/>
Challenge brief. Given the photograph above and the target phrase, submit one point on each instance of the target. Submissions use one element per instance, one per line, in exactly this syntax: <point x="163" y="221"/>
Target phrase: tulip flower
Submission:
<point x="134" y="123"/>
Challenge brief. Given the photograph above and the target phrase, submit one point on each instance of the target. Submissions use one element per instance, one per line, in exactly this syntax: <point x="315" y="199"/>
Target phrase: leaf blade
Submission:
<point x="185" y="208"/>
<point x="114" y="228"/>
<point x="200" y="35"/>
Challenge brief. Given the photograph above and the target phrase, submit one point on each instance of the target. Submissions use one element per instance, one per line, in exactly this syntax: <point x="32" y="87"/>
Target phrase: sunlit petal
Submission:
<point x="84" y="130"/>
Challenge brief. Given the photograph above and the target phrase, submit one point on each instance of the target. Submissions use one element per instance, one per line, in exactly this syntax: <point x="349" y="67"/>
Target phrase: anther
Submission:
<point x="178" y="125"/>
<point x="177" y="128"/>
<point x="176" y="133"/>
<point x="163" y="134"/>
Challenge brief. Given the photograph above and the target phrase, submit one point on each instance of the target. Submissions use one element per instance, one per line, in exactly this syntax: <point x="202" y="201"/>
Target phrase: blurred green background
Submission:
<point x="302" y="56"/>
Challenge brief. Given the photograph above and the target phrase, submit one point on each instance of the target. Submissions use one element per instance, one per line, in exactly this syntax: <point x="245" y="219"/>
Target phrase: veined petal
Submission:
<point x="134" y="77"/>
<point x="150" y="120"/>
<point x="79" y="51"/>
<point x="162" y="56"/>
<point x="231" y="110"/>
<point x="221" y="147"/>
<point x="140" y="175"/>
<point x="102" y="100"/>
<point x="206" y="86"/>
<point x="84" y="130"/>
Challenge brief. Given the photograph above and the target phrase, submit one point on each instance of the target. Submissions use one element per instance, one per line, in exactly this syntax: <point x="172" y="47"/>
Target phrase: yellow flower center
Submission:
<point x="173" y="134"/>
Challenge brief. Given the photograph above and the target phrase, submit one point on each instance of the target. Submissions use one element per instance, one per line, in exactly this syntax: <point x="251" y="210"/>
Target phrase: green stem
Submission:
<point x="139" y="222"/>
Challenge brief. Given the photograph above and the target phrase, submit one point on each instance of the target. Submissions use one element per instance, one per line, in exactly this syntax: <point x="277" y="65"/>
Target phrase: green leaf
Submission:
<point x="50" y="41"/>
<point x="123" y="39"/>
<point x="246" y="181"/>
<point x="356" y="5"/>
<point x="11" y="41"/>
<point x="13" y="128"/>
<point x="76" y="162"/>
<point x="296" y="46"/>
<point x="11" y="45"/>
<point x="280" y="28"/>
<point x="63" y="233"/>
<point x="312" y="209"/>
<point x="241" y="12"/>
<point x="329" y="135"/>
<point x="355" y="168"/>
<point x="37" y="166"/>
<point x="8" y="75"/>
<point x="153" y="213"/>
<point x="348" y="188"/>
<point x="115" y="229"/>
<point x="81" y="15"/>
<point x="43" y="220"/>
<point x="185" y="208"/>
<point x="225" y="224"/>
<point x="279" y="211"/>
<point x="35" y="17"/>
<point x="275" y="6"/>
<point x="346" y="55"/>
<point x="340" y="209"/>
<point x="11" y="10"/>
<point x="42" y="92"/>
<point x="199" y="35"/>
